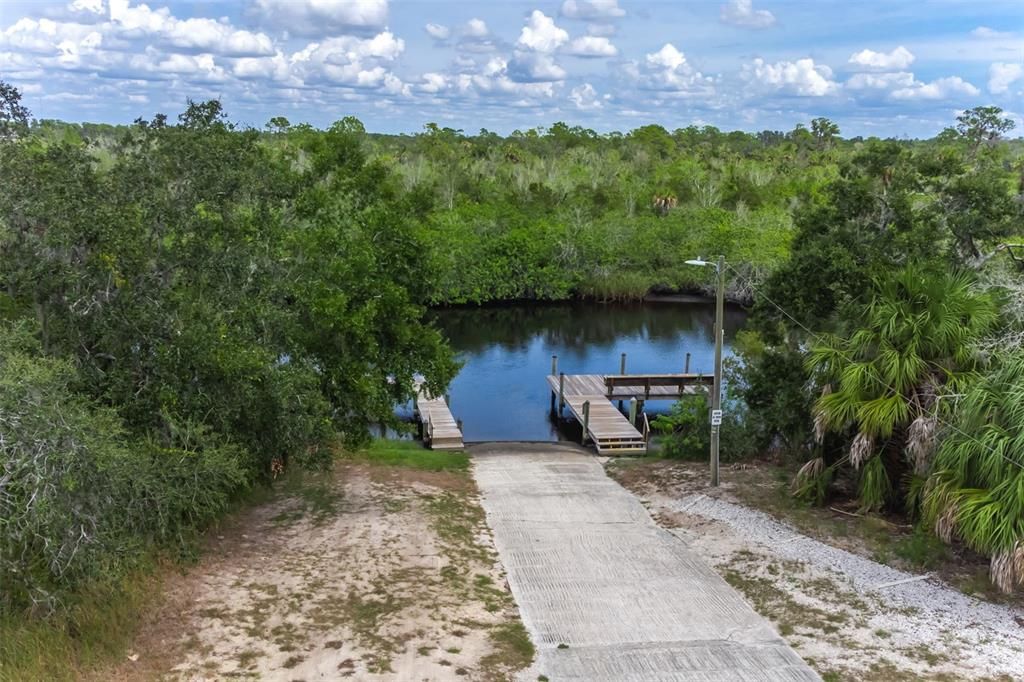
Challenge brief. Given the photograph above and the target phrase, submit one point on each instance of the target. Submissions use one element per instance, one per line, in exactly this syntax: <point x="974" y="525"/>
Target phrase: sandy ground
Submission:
<point x="372" y="573"/>
<point x="853" y="618"/>
<point x="608" y="595"/>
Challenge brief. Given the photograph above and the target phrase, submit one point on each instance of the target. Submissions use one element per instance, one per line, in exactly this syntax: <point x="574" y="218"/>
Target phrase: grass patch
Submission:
<point x="96" y="628"/>
<point x="315" y="497"/>
<point x="512" y="650"/>
<point x="779" y="606"/>
<point x="409" y="454"/>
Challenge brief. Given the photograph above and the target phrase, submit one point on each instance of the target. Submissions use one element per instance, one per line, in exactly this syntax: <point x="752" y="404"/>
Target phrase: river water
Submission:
<point x="501" y="394"/>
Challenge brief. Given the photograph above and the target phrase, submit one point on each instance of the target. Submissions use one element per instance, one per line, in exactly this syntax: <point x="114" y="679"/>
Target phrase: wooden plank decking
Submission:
<point x="440" y="430"/>
<point x="607" y="428"/>
<point x="639" y="386"/>
<point x="610" y="430"/>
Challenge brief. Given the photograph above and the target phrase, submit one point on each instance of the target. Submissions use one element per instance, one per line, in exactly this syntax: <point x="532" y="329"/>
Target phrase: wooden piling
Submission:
<point x="686" y="370"/>
<point x="622" y="364"/>
<point x="561" y="392"/>
<point x="554" y="365"/>
<point x="632" y="411"/>
<point x="586" y="421"/>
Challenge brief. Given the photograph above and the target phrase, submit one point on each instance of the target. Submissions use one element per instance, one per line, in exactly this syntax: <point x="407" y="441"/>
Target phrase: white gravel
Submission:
<point x="986" y="638"/>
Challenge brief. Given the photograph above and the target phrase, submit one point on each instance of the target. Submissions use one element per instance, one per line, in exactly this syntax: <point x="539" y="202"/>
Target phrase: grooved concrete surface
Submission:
<point x="591" y="570"/>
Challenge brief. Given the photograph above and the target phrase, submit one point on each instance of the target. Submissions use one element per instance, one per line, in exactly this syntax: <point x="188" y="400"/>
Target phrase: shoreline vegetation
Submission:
<point x="188" y="307"/>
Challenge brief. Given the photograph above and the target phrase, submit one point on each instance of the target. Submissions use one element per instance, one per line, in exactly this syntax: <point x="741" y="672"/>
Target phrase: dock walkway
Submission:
<point x="440" y="429"/>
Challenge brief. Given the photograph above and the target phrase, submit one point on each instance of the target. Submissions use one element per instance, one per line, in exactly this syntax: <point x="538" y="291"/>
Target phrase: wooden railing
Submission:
<point x="611" y="381"/>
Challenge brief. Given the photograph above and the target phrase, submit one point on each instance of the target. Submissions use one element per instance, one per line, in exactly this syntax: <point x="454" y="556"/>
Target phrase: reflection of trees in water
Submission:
<point x="578" y="326"/>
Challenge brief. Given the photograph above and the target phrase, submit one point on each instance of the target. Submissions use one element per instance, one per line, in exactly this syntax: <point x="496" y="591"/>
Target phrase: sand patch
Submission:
<point x="370" y="573"/>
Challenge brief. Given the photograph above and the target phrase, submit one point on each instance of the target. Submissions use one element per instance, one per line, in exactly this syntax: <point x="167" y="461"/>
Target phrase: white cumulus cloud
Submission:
<point x="884" y="82"/>
<point x="592" y="46"/>
<point x="534" y="67"/>
<point x="541" y="34"/>
<point x="986" y="33"/>
<point x="668" y="57"/>
<point x="91" y="6"/>
<point x="351" y="61"/>
<point x="802" y="78"/>
<point x="476" y="28"/>
<point x="592" y="9"/>
<point x="322" y="17"/>
<point x="437" y="31"/>
<point x="742" y="13"/>
<point x="668" y="70"/>
<point x="1001" y="75"/>
<point x="942" y="88"/>
<point x="585" y="97"/>
<point x="475" y="36"/>
<point x="898" y="59"/>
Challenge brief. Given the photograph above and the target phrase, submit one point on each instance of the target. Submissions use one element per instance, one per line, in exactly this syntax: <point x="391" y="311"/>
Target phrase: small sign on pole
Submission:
<point x="716" y="417"/>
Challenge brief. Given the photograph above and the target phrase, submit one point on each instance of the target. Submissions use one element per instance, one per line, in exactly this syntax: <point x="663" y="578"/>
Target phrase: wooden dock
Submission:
<point x="639" y="386"/>
<point x="440" y="429"/>
<point x="611" y="431"/>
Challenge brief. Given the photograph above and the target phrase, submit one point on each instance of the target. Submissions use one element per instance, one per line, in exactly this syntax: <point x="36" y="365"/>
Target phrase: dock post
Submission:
<point x="632" y="411"/>
<point x="686" y="370"/>
<point x="622" y="370"/>
<point x="586" y="421"/>
<point x="554" y="371"/>
<point x="561" y="392"/>
<point x="448" y="400"/>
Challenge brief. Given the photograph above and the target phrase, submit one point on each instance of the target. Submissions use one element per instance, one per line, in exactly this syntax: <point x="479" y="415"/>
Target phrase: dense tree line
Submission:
<point x="179" y="311"/>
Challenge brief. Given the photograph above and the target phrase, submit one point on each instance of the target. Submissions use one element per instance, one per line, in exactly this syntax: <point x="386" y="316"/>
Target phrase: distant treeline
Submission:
<point x="557" y="212"/>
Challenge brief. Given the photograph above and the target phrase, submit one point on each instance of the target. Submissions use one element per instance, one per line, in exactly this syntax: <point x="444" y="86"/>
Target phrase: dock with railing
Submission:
<point x="590" y="399"/>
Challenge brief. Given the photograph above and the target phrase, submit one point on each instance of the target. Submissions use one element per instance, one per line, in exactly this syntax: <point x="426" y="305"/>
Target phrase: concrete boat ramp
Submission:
<point x="606" y="593"/>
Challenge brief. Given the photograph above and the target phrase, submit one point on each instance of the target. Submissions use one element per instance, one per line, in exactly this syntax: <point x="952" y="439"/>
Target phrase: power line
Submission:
<point x="871" y="369"/>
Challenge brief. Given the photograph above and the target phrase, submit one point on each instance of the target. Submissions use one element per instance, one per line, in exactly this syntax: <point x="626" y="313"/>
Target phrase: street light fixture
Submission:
<point x="716" y="395"/>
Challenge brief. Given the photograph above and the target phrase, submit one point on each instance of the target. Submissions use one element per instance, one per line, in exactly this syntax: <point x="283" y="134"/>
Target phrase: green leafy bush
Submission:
<point x="80" y="501"/>
<point x="686" y="430"/>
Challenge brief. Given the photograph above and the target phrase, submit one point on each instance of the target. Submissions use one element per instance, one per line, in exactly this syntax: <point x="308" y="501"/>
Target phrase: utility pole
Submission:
<point x="716" y="396"/>
<point x="716" y="390"/>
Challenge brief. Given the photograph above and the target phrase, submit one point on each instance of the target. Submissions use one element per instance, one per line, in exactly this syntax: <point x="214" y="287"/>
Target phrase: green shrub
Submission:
<point x="79" y="502"/>
<point x="686" y="430"/>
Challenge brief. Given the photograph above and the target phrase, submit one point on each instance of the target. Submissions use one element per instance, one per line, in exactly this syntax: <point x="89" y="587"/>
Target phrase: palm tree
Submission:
<point x="884" y="383"/>
<point x="976" y="489"/>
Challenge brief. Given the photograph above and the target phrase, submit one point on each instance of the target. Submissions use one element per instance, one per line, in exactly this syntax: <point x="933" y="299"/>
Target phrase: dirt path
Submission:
<point x="853" y="618"/>
<point x="605" y="592"/>
<point x="374" y="572"/>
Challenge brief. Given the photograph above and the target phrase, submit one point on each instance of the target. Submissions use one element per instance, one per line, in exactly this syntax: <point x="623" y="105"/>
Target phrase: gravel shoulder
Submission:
<point x="371" y="573"/>
<point x="851" y="617"/>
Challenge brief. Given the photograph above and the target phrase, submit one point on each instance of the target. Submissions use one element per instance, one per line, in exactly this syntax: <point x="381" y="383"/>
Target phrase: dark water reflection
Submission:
<point x="500" y="394"/>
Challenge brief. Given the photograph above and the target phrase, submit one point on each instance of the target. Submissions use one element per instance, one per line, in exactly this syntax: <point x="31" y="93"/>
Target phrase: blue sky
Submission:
<point x="885" y="68"/>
